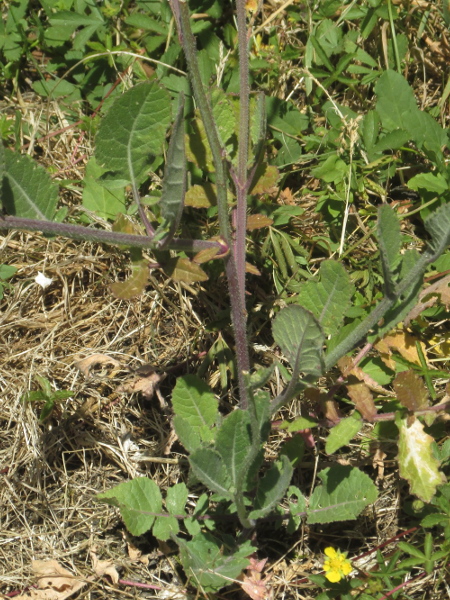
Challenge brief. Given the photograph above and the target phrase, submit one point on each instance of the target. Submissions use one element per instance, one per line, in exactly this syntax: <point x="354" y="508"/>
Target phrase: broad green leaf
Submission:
<point x="174" y="183"/>
<point x="165" y="527"/>
<point x="411" y="390"/>
<point x="369" y="128"/>
<point x="389" y="239"/>
<point x="192" y="437"/>
<point x="209" y="468"/>
<point x="438" y="226"/>
<point x="134" y="285"/>
<point x="329" y="298"/>
<point x="106" y="203"/>
<point x="233" y="442"/>
<point x="392" y="140"/>
<point x="417" y="463"/>
<point x="299" y="424"/>
<point x="431" y="182"/>
<point x="344" y="431"/>
<point x="396" y="101"/>
<point x="197" y="146"/>
<point x="343" y="495"/>
<point x="185" y="270"/>
<point x="225" y="115"/>
<point x="297" y="510"/>
<point x="176" y="499"/>
<point x="210" y="564"/>
<point x="139" y="501"/>
<point x="272" y="487"/>
<point x="300" y="338"/>
<point x="133" y="131"/>
<point x="7" y="271"/>
<point x="28" y="190"/>
<point x="193" y="401"/>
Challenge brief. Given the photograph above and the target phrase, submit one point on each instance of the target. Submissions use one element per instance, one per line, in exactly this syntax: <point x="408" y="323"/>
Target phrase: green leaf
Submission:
<point x="297" y="510"/>
<point x="133" y="131"/>
<point x="174" y="183"/>
<point x="134" y="285"/>
<point x="210" y="563"/>
<point x="416" y="461"/>
<point x="138" y="500"/>
<point x="176" y="499"/>
<point x="233" y="442"/>
<point x="396" y="101"/>
<point x="104" y="202"/>
<point x="299" y="424"/>
<point x="28" y="190"/>
<point x="196" y="411"/>
<point x="209" y="468"/>
<point x="431" y="182"/>
<point x="300" y="338"/>
<point x="438" y="226"/>
<point x="389" y="239"/>
<point x="344" y="431"/>
<point x="2" y="171"/>
<point x="183" y="269"/>
<point x="7" y="271"/>
<point x="272" y="487"/>
<point x="343" y="495"/>
<point x="329" y="298"/>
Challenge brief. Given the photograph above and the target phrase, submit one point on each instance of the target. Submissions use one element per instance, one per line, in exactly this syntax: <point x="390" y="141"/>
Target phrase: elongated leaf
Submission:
<point x="174" y="184"/>
<point x="272" y="488"/>
<point x="138" y="500"/>
<point x="438" y="226"/>
<point x="343" y="495"/>
<point x="2" y="171"/>
<point x="28" y="190"/>
<point x="300" y="338"/>
<point x="389" y="239"/>
<point x="209" y="467"/>
<point x="328" y="299"/>
<point x="133" y="131"/>
<point x="344" y="431"/>
<point x="233" y="442"/>
<point x="210" y="563"/>
<point x="416" y="460"/>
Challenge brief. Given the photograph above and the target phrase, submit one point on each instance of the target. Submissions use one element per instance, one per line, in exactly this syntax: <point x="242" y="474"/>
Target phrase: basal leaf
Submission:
<point x="133" y="131"/>
<point x="209" y="468"/>
<point x="343" y="432"/>
<point x="106" y="203"/>
<point x="174" y="183"/>
<point x="329" y="298"/>
<point x="193" y="401"/>
<point x="396" y="100"/>
<point x="165" y="527"/>
<point x="139" y="501"/>
<point x="411" y="390"/>
<point x="192" y="437"/>
<point x="28" y="190"/>
<point x="210" y="563"/>
<point x="272" y="487"/>
<point x="389" y="239"/>
<point x="417" y="463"/>
<point x="233" y="442"/>
<point x="176" y="499"/>
<point x="300" y="338"/>
<point x="343" y="495"/>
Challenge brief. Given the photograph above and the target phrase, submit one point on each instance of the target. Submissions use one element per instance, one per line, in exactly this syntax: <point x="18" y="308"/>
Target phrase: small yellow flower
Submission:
<point x="336" y="566"/>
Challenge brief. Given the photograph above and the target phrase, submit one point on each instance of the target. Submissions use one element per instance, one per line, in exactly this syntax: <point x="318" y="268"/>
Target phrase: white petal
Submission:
<point x="42" y="280"/>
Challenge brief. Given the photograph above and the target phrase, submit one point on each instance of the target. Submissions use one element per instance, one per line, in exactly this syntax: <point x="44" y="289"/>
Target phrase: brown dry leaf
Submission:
<point x="136" y="555"/>
<point x="54" y="582"/>
<point x="347" y="368"/>
<point x="249" y="268"/>
<point x="104" y="567"/>
<point x="87" y="363"/>
<point x="411" y="390"/>
<point x="362" y="397"/>
<point x="253" y="584"/>
<point x="145" y="385"/>
<point x="401" y="341"/>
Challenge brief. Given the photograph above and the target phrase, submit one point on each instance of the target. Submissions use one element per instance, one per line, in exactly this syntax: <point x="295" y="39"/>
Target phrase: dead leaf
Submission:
<point x="87" y="363"/>
<point x="104" y="567"/>
<point x="347" y="368"/>
<point x="249" y="268"/>
<point x="54" y="582"/>
<point x="401" y="341"/>
<point x="145" y="385"/>
<point x="136" y="555"/>
<point x="411" y="390"/>
<point x="362" y="397"/>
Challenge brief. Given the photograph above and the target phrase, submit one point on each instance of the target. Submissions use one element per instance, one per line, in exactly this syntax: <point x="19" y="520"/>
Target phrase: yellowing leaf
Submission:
<point x="362" y="397"/>
<point x="201" y="196"/>
<point x="416" y="461"/>
<point x="258" y="222"/>
<point x="265" y="179"/>
<point x="182" y="269"/>
<point x="197" y="147"/>
<point x="411" y="391"/>
<point x="249" y="268"/>
<point x="133" y="286"/>
<point x="401" y="341"/>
